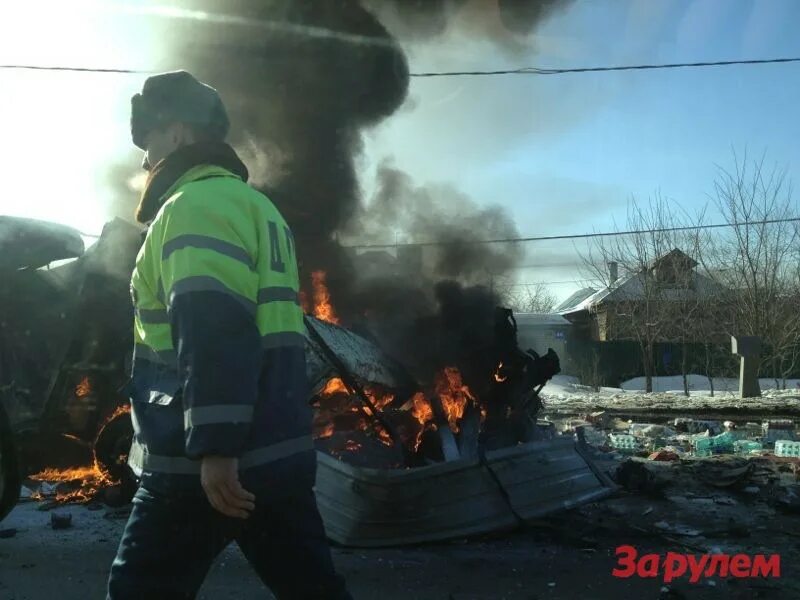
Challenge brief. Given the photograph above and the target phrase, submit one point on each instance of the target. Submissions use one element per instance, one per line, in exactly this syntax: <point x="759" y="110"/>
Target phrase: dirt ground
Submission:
<point x="567" y="556"/>
<point x="727" y="505"/>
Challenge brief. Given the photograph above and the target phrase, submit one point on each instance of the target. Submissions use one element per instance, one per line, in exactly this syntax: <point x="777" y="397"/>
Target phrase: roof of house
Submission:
<point x="674" y="255"/>
<point x="575" y="299"/>
<point x="540" y="319"/>
<point x="632" y="287"/>
<point x="589" y="301"/>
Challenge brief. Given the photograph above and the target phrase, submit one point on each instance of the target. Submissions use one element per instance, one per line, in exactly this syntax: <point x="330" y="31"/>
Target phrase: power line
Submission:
<point x="535" y="283"/>
<point x="328" y="33"/>
<point x="552" y="265"/>
<point x="575" y="236"/>
<point x="76" y="69"/>
<point x="646" y="67"/>
<point x="518" y="71"/>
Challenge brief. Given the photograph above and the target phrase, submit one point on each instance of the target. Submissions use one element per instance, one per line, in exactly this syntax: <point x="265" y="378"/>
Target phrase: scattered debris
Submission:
<point x="47" y="489"/>
<point x="685" y="425"/>
<point x="747" y="447"/>
<point x="676" y="529"/>
<point x="60" y="521"/>
<point x="651" y="430"/>
<point x="789" y="499"/>
<point x="26" y="494"/>
<point x="634" y="476"/>
<point x="787" y="448"/>
<point x="623" y="441"/>
<point x="778" y="429"/>
<point x="724" y="500"/>
<point x="669" y="593"/>
<point x="664" y="455"/>
<point x="706" y="445"/>
<point x="599" y="419"/>
<point x="118" y="513"/>
<point x="723" y="471"/>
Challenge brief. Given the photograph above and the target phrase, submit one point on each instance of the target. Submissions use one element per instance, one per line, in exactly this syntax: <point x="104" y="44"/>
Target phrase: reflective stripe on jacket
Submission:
<point x="219" y="356"/>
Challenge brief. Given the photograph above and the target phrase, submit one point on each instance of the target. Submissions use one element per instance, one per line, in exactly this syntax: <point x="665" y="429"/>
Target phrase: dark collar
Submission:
<point x="164" y="175"/>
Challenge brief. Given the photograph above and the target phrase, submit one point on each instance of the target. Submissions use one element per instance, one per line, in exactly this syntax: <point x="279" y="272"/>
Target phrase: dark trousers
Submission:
<point x="171" y="540"/>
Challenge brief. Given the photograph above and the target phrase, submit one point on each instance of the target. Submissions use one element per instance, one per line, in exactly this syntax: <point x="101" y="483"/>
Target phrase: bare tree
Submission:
<point x="756" y="259"/>
<point x="530" y="298"/>
<point x="589" y="371"/>
<point x="712" y="328"/>
<point x="681" y="312"/>
<point x="649" y="302"/>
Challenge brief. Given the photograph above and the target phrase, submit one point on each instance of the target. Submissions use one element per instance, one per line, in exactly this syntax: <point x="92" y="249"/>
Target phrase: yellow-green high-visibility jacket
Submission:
<point x="219" y="357"/>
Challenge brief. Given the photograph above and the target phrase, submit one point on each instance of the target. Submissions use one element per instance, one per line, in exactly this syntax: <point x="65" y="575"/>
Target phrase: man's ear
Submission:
<point x="177" y="134"/>
<point x="183" y="134"/>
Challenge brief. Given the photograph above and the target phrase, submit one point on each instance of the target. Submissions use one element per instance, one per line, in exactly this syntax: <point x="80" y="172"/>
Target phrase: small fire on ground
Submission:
<point x="79" y="484"/>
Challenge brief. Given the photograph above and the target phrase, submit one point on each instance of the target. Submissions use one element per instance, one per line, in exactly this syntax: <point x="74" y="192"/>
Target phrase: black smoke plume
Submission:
<point x="507" y="23"/>
<point x="443" y="215"/>
<point x="303" y="79"/>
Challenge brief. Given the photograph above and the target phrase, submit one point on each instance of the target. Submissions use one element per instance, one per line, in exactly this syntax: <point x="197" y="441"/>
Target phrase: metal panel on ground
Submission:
<point x="374" y="507"/>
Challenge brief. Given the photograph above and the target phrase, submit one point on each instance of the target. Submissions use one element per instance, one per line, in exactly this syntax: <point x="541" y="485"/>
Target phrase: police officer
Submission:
<point x="219" y="401"/>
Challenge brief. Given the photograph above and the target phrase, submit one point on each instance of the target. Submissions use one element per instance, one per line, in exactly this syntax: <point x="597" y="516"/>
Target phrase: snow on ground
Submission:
<point x="700" y="383"/>
<point x="564" y="393"/>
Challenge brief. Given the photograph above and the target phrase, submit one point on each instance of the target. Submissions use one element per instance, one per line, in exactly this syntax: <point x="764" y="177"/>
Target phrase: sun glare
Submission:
<point x="64" y="131"/>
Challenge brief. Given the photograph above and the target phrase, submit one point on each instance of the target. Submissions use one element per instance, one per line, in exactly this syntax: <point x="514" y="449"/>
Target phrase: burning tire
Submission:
<point x="9" y="468"/>
<point x="113" y="443"/>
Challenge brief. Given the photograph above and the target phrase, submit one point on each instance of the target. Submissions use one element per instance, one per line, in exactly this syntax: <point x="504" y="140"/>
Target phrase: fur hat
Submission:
<point x="177" y="96"/>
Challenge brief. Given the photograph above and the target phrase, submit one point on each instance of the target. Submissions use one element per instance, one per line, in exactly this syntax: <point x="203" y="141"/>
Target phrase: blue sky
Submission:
<point x="565" y="153"/>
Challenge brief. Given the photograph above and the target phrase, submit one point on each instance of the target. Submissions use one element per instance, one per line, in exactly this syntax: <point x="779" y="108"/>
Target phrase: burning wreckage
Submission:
<point x="400" y="459"/>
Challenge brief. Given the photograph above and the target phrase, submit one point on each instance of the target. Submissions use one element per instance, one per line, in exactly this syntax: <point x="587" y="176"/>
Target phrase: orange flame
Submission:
<point x="421" y="410"/>
<point x="333" y="386"/>
<point x="83" y="389"/>
<point x="498" y="377"/>
<point x="326" y="432"/>
<point x="385" y="437"/>
<point x="88" y="479"/>
<point x="120" y="410"/>
<point x="378" y="398"/>
<point x="453" y="394"/>
<point x="70" y="474"/>
<point x="349" y="404"/>
<point x="323" y="309"/>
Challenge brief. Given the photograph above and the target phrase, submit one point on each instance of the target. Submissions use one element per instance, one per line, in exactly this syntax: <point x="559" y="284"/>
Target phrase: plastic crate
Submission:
<point x="787" y="448"/>
<point x="623" y="441"/>
<point x="747" y="446"/>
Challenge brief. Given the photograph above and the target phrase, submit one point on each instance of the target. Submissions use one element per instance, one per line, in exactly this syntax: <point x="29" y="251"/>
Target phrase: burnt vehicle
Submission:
<point x="64" y="342"/>
<point x="402" y="458"/>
